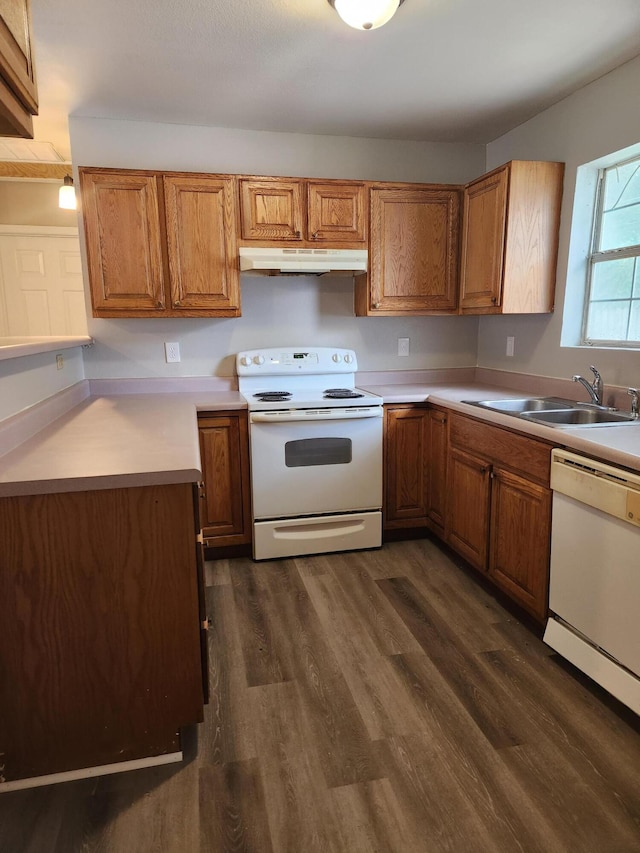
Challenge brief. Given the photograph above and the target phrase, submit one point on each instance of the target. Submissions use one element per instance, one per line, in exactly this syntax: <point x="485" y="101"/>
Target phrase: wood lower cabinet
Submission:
<point x="225" y="507"/>
<point x="406" y="466"/>
<point x="277" y="211"/>
<point x="520" y="539"/>
<point x="510" y="235"/>
<point x="467" y="527"/>
<point x="437" y="451"/>
<point x="413" y="258"/>
<point x="18" y="90"/>
<point x="499" y="508"/>
<point x="160" y="245"/>
<point x="100" y="608"/>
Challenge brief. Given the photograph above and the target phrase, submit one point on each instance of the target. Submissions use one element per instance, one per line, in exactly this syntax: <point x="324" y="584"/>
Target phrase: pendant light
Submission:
<point x="67" y="194"/>
<point x="366" y="14"/>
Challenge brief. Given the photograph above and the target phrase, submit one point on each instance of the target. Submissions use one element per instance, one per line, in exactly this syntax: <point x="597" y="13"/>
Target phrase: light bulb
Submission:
<point x="67" y="195"/>
<point x="366" y="14"/>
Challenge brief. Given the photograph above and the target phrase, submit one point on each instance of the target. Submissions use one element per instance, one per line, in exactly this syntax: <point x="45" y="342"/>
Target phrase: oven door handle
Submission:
<point x="315" y="415"/>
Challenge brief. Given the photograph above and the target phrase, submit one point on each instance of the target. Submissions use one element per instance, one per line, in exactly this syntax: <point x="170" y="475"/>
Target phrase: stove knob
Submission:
<point x="348" y="358"/>
<point x="336" y="357"/>
<point x="258" y="359"/>
<point x="245" y="361"/>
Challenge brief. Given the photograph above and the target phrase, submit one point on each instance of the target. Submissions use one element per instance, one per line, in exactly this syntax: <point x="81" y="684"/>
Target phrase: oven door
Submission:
<point x="302" y="464"/>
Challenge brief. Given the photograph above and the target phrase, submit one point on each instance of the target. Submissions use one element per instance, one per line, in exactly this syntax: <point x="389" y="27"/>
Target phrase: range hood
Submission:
<point x="268" y="261"/>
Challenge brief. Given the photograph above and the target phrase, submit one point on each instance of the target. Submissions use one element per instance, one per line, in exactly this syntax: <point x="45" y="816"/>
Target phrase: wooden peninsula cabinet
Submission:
<point x="510" y="236"/>
<point x="274" y="211"/>
<point x="101" y="610"/>
<point x="160" y="245"/>
<point x="225" y="506"/>
<point x="18" y="91"/>
<point x="499" y="508"/>
<point x="413" y="256"/>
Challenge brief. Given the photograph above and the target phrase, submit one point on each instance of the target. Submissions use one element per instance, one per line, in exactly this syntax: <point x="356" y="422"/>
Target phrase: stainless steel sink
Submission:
<point x="528" y="404"/>
<point x="580" y="417"/>
<point x="556" y="412"/>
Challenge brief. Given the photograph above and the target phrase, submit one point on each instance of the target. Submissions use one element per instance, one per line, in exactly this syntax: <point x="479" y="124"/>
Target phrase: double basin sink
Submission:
<point x="556" y="412"/>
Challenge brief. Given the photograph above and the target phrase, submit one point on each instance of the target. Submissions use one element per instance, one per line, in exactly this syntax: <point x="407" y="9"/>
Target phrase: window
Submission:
<point x="612" y="308"/>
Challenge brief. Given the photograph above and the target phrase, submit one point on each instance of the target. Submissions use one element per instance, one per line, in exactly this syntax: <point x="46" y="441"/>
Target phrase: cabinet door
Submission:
<point x="414" y="251"/>
<point x="468" y="484"/>
<point x="18" y="93"/>
<point x="437" y="450"/>
<point x="124" y="244"/>
<point x="336" y="212"/>
<point x="483" y="238"/>
<point x="224" y="451"/>
<point x="271" y="210"/>
<point x="520" y="540"/>
<point x="406" y="466"/>
<point x="201" y="239"/>
<point x="100" y="653"/>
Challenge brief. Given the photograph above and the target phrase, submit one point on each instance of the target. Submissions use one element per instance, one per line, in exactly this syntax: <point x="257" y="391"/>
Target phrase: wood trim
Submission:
<point x="44" y="171"/>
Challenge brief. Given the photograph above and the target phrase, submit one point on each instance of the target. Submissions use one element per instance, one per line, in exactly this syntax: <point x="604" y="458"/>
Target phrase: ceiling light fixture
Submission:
<point x="67" y="194"/>
<point x="366" y="14"/>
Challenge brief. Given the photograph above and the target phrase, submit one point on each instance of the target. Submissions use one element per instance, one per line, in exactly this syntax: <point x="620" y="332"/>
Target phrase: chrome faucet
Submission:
<point x="635" y="406"/>
<point x="594" y="388"/>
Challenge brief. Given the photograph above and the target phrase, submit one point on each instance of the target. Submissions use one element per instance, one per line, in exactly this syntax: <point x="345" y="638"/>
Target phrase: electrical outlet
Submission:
<point x="59" y="362"/>
<point x="511" y="343"/>
<point x="403" y="346"/>
<point x="172" y="352"/>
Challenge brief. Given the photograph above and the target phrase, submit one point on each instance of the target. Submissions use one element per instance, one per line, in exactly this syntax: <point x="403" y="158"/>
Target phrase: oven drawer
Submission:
<point x="295" y="536"/>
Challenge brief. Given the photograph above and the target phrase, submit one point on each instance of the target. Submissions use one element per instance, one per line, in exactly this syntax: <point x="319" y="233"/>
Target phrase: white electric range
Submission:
<point x="316" y="452"/>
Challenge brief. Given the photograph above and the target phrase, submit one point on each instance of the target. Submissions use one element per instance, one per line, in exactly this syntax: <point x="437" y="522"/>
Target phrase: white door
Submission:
<point x="41" y="283"/>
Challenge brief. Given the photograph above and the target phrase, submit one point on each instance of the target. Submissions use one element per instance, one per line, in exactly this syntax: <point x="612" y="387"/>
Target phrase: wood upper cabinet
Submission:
<point x="281" y="210"/>
<point x="201" y="242"/>
<point x="499" y="508"/>
<point x="510" y="234"/>
<point x="18" y="91"/>
<point x="413" y="258"/>
<point x="336" y="212"/>
<point x="124" y="241"/>
<point x="160" y="245"/>
<point x="406" y="466"/>
<point x="271" y="209"/>
<point x="225" y="509"/>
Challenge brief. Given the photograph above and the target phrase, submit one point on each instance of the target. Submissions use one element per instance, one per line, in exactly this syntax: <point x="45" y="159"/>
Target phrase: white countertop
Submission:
<point x="114" y="442"/>
<point x="144" y="439"/>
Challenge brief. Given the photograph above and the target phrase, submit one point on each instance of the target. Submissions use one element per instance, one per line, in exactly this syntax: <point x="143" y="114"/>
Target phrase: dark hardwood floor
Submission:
<point x="379" y="701"/>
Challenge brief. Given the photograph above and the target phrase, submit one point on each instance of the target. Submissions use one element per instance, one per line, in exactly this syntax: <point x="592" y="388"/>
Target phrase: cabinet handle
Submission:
<point x="159" y="304"/>
<point x="296" y="234"/>
<point x="494" y="299"/>
<point x="314" y="236"/>
<point x="376" y="304"/>
<point x="177" y="303"/>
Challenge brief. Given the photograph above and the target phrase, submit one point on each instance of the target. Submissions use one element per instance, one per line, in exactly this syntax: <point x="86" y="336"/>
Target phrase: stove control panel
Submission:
<point x="302" y="360"/>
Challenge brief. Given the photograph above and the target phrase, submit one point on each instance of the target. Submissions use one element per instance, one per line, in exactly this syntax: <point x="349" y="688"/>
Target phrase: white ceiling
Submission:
<point x="441" y="70"/>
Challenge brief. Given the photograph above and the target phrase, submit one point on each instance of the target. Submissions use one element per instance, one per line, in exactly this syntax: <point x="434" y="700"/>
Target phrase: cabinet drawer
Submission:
<point x="517" y="452"/>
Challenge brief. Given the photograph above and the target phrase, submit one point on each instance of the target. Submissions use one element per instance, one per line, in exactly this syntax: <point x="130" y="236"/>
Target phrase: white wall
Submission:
<point x="274" y="310"/>
<point x="25" y="381"/>
<point x="598" y="119"/>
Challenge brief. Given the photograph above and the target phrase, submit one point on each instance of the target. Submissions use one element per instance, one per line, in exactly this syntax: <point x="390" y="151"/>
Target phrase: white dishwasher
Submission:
<point x="594" y="586"/>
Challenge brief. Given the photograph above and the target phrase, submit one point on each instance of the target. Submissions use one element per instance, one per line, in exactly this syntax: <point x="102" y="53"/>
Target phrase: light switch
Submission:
<point x="403" y="346"/>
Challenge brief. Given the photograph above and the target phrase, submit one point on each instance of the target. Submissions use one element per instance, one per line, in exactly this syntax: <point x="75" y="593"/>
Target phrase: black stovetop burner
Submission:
<point x="273" y="396"/>
<point x="341" y="394"/>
